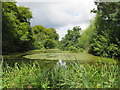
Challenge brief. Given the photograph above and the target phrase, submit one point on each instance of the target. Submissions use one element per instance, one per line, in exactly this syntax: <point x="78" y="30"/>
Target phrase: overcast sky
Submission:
<point x="61" y="15"/>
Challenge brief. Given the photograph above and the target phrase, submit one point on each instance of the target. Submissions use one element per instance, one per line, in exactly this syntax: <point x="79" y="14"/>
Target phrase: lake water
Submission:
<point x="54" y="58"/>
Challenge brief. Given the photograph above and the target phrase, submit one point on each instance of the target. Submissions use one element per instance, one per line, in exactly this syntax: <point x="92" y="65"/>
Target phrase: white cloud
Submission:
<point x="63" y="30"/>
<point x="40" y="0"/>
<point x="62" y="15"/>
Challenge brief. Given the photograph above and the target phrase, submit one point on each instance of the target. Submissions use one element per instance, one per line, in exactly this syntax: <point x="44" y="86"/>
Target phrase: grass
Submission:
<point x="87" y="76"/>
<point x="101" y="73"/>
<point x="24" y="76"/>
<point x="97" y="75"/>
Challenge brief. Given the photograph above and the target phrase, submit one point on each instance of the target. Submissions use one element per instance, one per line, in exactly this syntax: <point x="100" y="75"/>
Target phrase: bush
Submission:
<point x="49" y="44"/>
<point x="73" y="49"/>
<point x="103" y="47"/>
<point x="38" y="45"/>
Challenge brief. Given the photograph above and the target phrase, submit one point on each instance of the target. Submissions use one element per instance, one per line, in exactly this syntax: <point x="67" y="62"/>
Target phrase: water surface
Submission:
<point x="54" y="58"/>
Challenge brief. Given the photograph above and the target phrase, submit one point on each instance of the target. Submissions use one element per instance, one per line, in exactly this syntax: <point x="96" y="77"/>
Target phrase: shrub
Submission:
<point x="73" y="49"/>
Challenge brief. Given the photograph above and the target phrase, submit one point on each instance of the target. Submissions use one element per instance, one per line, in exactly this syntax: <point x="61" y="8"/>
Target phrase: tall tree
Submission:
<point x="87" y="35"/>
<point x="44" y="37"/>
<point x="71" y="39"/>
<point x="15" y="27"/>
<point x="107" y="41"/>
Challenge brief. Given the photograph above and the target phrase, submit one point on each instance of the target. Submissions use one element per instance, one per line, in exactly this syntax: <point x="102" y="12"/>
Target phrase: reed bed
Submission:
<point x="97" y="75"/>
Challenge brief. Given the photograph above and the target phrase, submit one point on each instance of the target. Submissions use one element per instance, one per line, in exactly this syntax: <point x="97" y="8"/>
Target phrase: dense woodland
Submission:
<point x="17" y="33"/>
<point x="101" y="38"/>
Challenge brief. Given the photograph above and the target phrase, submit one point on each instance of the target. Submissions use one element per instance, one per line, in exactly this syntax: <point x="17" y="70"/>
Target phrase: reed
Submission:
<point x="97" y="75"/>
<point x="24" y="76"/>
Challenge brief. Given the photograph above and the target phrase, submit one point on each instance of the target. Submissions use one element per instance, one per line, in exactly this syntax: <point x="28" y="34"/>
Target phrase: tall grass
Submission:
<point x="76" y="75"/>
<point x="24" y="76"/>
<point x="87" y="76"/>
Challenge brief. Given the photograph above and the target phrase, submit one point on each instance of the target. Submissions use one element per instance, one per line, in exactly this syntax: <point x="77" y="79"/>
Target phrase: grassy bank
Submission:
<point x="74" y="76"/>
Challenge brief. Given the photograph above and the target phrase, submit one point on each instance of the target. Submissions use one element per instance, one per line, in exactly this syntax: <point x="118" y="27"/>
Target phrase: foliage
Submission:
<point x="85" y="40"/>
<point x="15" y="28"/>
<point x="97" y="75"/>
<point x="107" y="40"/>
<point x="48" y="44"/>
<point x="24" y="14"/>
<point x="86" y="76"/>
<point x="70" y="39"/>
<point x="24" y="76"/>
<point x="100" y="38"/>
<point x="44" y="37"/>
<point x="102" y="46"/>
<point x="18" y="35"/>
<point x="73" y="49"/>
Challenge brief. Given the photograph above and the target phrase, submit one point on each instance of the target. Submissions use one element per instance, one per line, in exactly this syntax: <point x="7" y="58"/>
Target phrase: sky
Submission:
<point x="60" y="14"/>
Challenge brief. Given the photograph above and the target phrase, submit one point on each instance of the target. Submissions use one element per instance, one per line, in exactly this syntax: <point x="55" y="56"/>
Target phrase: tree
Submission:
<point x="49" y="43"/>
<point x="24" y="15"/>
<point x="107" y="40"/>
<point x="43" y="37"/>
<point x="17" y="33"/>
<point x="16" y="29"/>
<point x="70" y="39"/>
<point x="87" y="35"/>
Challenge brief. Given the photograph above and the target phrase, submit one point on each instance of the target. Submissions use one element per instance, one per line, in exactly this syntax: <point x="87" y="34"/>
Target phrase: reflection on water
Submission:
<point x="49" y="63"/>
<point x="61" y="63"/>
<point x="44" y="64"/>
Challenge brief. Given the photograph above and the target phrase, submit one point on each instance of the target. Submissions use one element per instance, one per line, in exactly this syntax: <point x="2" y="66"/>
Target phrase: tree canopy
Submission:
<point x="101" y="38"/>
<point x="18" y="35"/>
<point x="44" y="37"/>
<point x="15" y="27"/>
<point x="107" y="40"/>
<point x="71" y="39"/>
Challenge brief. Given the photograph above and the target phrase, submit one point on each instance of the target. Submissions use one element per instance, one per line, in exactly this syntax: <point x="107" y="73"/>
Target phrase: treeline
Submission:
<point x="106" y="42"/>
<point x="102" y="37"/>
<point x="18" y="35"/>
<point x="70" y="41"/>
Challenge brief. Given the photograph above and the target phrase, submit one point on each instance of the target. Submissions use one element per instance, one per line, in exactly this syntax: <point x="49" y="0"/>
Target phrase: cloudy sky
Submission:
<point x="60" y="14"/>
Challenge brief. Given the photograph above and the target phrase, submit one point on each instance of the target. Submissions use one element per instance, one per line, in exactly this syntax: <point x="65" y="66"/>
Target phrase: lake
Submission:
<point x="50" y="58"/>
